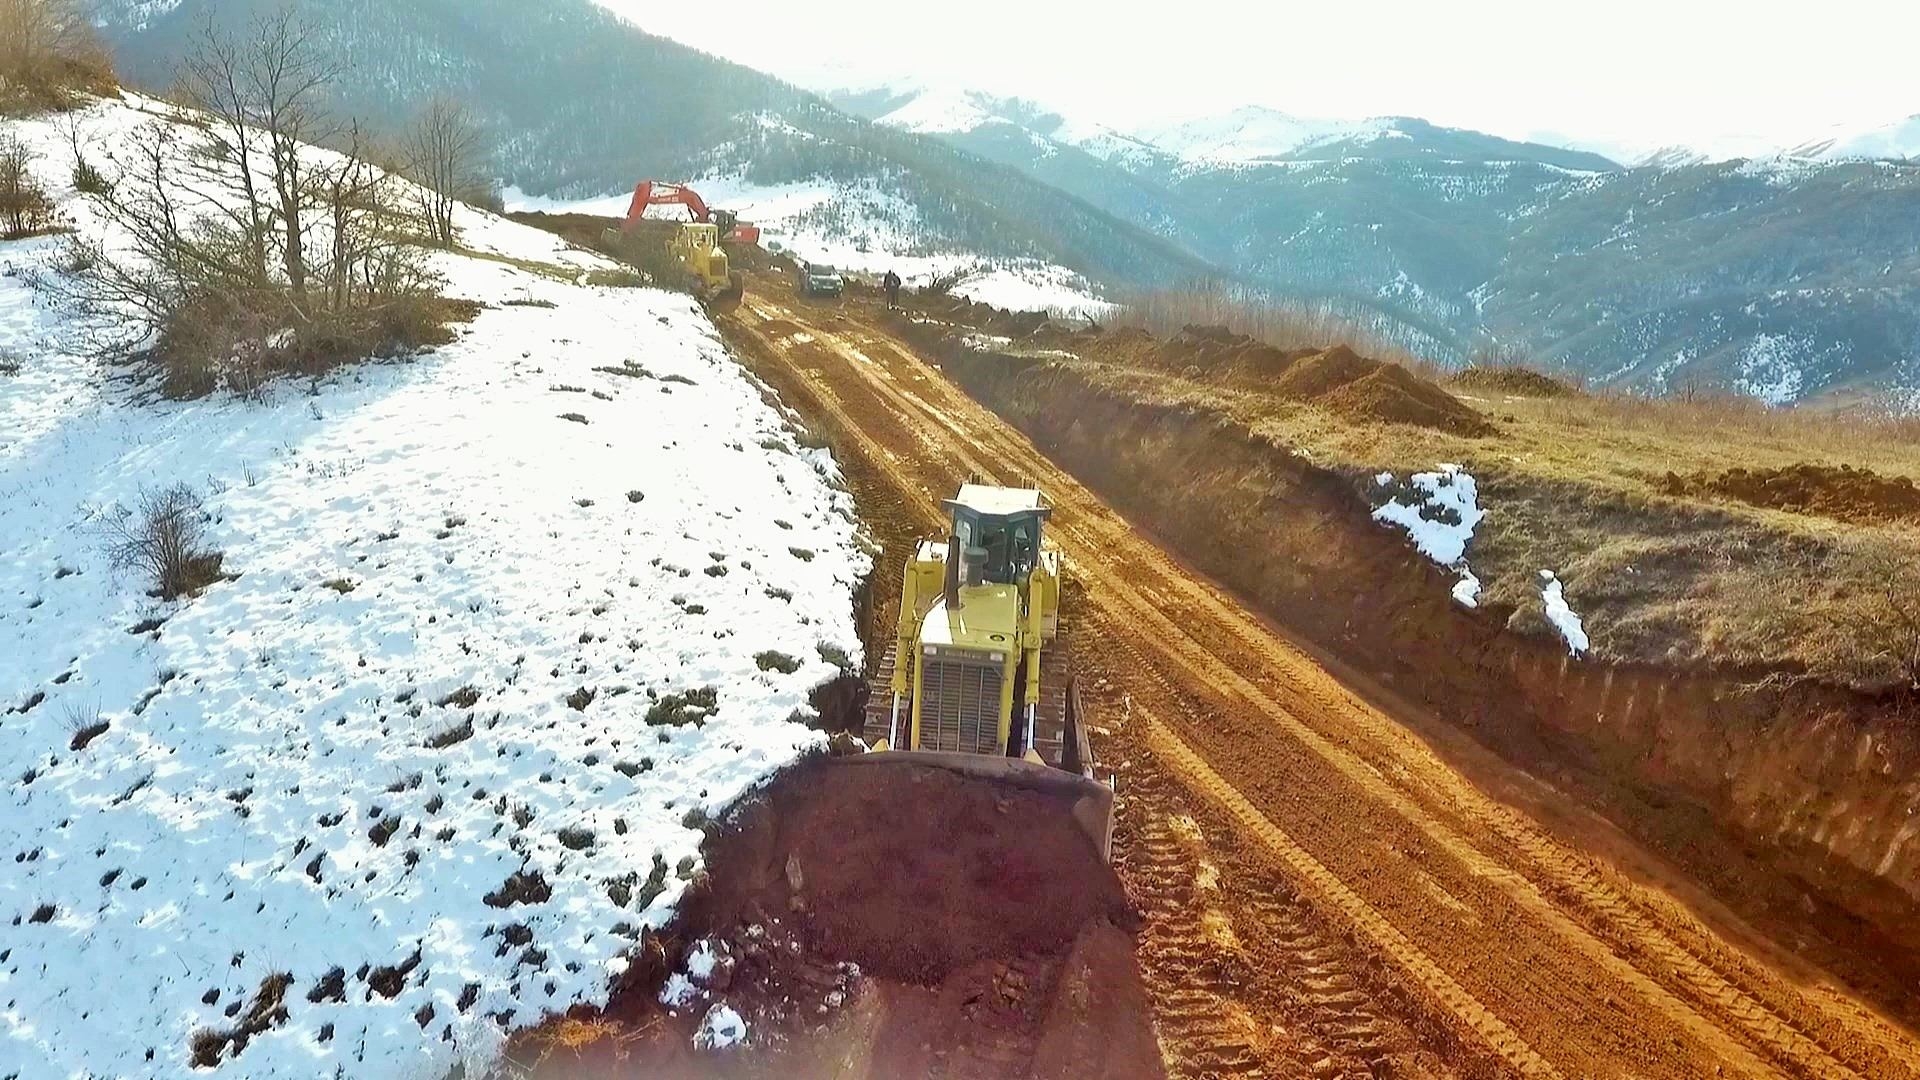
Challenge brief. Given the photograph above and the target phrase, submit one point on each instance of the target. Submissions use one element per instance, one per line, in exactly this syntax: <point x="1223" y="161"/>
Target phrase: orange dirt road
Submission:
<point x="1324" y="891"/>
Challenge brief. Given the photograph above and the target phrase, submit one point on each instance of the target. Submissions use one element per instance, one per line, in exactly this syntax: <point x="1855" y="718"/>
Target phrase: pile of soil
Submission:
<point x="873" y="921"/>
<point x="583" y="230"/>
<point x="1323" y="373"/>
<point x="913" y="873"/>
<point x="1843" y="493"/>
<point x="1516" y="380"/>
<point x="1371" y="390"/>
<point x="1391" y="394"/>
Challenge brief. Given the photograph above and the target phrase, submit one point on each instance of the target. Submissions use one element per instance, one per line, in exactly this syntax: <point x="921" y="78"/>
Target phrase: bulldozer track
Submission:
<point x="1497" y="1035"/>
<point x="1330" y="1021"/>
<point x="1230" y="709"/>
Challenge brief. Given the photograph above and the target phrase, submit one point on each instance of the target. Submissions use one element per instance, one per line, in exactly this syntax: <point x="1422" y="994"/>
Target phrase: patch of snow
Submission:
<point x="1254" y="133"/>
<point x="1560" y="615"/>
<point x="1440" y="521"/>
<point x="979" y="342"/>
<point x="340" y="756"/>
<point x="939" y="112"/>
<point x="1769" y="370"/>
<point x="1467" y="590"/>
<point x="1029" y="285"/>
<point x="679" y="991"/>
<point x="702" y="960"/>
<point x="720" y="1029"/>
<point x="1898" y="140"/>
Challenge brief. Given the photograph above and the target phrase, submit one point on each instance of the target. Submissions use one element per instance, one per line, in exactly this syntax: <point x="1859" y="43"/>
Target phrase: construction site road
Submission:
<point x="1329" y="886"/>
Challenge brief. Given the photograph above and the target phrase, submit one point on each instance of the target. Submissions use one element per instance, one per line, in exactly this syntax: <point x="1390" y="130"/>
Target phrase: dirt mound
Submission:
<point x="1323" y="372"/>
<point x="915" y="872"/>
<point x="1391" y="394"/>
<point x="872" y="920"/>
<point x="583" y="230"/>
<point x="1843" y="493"/>
<point x="1363" y="389"/>
<point x="1515" y="380"/>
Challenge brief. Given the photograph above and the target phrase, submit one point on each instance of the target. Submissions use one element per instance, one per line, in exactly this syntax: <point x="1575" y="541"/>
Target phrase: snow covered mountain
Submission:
<point x="496" y="623"/>
<point x="1896" y="141"/>
<point x="1255" y="133"/>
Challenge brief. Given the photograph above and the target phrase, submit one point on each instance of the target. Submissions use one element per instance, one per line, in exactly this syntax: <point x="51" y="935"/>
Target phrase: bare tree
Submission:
<point x="264" y="91"/>
<point x="444" y="150"/>
<point x="24" y="207"/>
<point x="248" y="251"/>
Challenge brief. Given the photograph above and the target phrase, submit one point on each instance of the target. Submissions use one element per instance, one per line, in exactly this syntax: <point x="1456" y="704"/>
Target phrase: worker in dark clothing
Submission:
<point x="891" y="283"/>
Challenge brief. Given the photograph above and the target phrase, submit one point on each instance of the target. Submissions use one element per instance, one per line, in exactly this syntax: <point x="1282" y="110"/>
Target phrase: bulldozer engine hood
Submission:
<point x="983" y="623"/>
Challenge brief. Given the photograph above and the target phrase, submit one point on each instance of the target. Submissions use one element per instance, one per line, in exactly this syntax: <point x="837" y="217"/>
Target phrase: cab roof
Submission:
<point x="991" y="501"/>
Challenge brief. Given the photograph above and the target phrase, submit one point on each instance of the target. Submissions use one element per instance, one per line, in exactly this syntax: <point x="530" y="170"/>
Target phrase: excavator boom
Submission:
<point x="658" y="193"/>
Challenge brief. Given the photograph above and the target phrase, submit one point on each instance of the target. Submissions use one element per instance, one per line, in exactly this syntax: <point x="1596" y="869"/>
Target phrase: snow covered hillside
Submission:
<point x="500" y="623"/>
<point x="862" y="229"/>
<point x="1253" y="133"/>
<point x="1896" y="141"/>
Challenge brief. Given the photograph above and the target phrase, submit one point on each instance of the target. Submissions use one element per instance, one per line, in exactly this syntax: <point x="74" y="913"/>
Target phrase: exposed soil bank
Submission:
<point x="1794" y="804"/>
<point x="884" y="920"/>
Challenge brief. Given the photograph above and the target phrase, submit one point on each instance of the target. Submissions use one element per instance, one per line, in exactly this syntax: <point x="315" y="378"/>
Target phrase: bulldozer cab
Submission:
<point x="999" y="532"/>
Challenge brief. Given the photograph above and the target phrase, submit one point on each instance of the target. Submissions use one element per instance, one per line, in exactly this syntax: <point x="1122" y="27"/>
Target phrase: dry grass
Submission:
<point x="49" y="54"/>
<point x="1283" y="326"/>
<point x="1575" y="480"/>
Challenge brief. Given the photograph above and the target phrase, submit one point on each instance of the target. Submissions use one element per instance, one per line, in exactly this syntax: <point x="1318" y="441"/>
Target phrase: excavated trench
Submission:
<point x="1796" y="807"/>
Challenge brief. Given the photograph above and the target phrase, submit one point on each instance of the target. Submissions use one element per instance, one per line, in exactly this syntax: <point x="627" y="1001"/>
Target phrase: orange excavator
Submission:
<point x="689" y="251"/>
<point x="660" y="193"/>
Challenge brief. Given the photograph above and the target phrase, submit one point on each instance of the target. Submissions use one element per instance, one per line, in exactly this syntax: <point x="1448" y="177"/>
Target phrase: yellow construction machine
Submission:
<point x="692" y="248"/>
<point x="976" y="665"/>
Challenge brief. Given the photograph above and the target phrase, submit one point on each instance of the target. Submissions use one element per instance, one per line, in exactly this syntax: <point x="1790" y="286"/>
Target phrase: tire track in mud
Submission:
<point x="1502" y="1039"/>
<point x="1221" y="647"/>
<point x="1218" y="995"/>
<point x="1679" y="971"/>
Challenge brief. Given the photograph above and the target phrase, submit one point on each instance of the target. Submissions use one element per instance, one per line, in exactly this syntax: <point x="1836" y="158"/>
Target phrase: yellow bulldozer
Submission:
<point x="977" y="677"/>
<point x="692" y="249"/>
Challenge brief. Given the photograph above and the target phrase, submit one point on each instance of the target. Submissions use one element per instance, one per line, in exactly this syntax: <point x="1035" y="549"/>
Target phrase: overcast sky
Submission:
<point x="1626" y="73"/>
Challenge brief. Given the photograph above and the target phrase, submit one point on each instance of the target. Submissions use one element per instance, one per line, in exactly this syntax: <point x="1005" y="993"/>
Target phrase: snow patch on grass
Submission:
<point x="1439" y="511"/>
<point x="1560" y="615"/>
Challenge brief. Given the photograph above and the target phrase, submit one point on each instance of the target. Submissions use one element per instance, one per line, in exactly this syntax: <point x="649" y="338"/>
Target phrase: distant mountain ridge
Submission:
<point x="1783" y="276"/>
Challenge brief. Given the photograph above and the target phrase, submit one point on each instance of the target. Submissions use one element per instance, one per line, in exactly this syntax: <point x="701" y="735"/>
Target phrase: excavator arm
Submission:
<point x="657" y="193"/>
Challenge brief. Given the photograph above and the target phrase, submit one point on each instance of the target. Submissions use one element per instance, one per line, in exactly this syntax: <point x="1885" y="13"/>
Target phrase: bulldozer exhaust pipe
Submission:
<point x="951" y="587"/>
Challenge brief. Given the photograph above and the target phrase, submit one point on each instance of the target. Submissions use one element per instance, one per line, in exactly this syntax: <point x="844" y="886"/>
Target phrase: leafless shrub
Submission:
<point x="1880" y="626"/>
<point x="9" y="362"/>
<point x="84" y="725"/>
<point x="942" y="284"/>
<point x="163" y="539"/>
<point x="48" y="50"/>
<point x="1281" y="325"/>
<point x="25" y="209"/>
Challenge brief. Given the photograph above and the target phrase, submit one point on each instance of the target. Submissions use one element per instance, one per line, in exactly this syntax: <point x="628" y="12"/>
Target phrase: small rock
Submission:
<point x="795" y="880"/>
